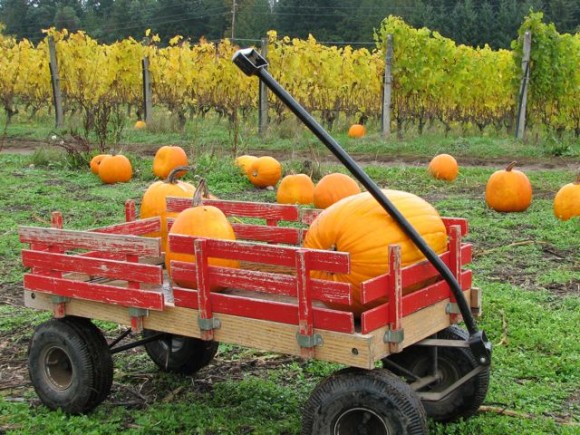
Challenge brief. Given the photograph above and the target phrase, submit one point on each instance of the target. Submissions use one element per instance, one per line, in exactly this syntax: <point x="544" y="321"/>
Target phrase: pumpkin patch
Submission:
<point x="357" y="131"/>
<point x="295" y="189"/>
<point x="265" y="171"/>
<point x="96" y="161"/>
<point x="245" y="163"/>
<point x="567" y="201"/>
<point x="444" y="167"/>
<point x="115" y="169"/>
<point x="168" y="157"/>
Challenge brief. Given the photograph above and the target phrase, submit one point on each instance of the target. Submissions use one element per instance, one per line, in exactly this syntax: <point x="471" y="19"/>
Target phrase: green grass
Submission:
<point x="528" y="265"/>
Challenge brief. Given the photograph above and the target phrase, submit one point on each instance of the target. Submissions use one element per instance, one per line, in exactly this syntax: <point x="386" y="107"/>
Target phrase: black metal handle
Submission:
<point x="252" y="63"/>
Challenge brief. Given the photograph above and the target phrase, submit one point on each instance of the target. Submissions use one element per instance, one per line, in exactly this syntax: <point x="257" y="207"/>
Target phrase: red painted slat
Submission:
<point x="461" y="222"/>
<point x="265" y="282"/>
<point x="71" y="239"/>
<point x="329" y="261"/>
<point x="274" y="311"/>
<point x="144" y="273"/>
<point x="376" y="317"/>
<point x="268" y="211"/>
<point x="135" y="228"/>
<point x="412" y="275"/>
<point x="265" y="233"/>
<point x="95" y="292"/>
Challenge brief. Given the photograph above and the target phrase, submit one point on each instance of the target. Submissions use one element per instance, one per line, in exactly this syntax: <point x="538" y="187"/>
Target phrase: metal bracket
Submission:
<point x="452" y="308"/>
<point x="394" y="336"/>
<point x="209" y="324"/>
<point x="56" y="299"/>
<point x="309" y="340"/>
<point x="138" y="312"/>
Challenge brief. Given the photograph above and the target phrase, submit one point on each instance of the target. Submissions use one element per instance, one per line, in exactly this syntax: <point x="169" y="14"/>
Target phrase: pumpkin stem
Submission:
<point x="172" y="177"/>
<point x="511" y="166"/>
<point x="200" y="193"/>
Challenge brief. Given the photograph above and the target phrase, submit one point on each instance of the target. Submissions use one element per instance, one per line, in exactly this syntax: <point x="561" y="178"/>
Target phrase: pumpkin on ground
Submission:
<point x="295" y="189"/>
<point x="357" y="130"/>
<point x="508" y="190"/>
<point x="567" y="200"/>
<point x="202" y="221"/>
<point x="154" y="204"/>
<point x="115" y="169"/>
<point x="168" y="157"/>
<point x="96" y="161"/>
<point x="265" y="171"/>
<point x="444" y="167"/>
<point x="332" y="188"/>
<point x="245" y="163"/>
<point x="359" y="225"/>
<point x="140" y="124"/>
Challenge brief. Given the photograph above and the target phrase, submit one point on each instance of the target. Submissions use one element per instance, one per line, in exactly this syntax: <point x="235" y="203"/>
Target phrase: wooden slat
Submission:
<point x="71" y="239"/>
<point x="95" y="292"/>
<point x="267" y="233"/>
<point x="413" y="302"/>
<point x="461" y="222"/>
<point x="329" y="261"/>
<point x="94" y="267"/>
<point x="270" y="310"/>
<point x="135" y="228"/>
<point x="267" y="211"/>
<point x="265" y="282"/>
<point x="375" y="288"/>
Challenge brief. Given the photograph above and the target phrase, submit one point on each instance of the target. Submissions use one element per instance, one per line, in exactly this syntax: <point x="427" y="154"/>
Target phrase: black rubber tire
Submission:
<point x="103" y="360"/>
<point x="453" y="363"/>
<point x="68" y="365"/>
<point x="356" y="401"/>
<point x="178" y="354"/>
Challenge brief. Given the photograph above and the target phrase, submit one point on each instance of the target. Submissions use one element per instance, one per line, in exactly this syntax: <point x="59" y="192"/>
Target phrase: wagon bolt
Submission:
<point x="482" y="360"/>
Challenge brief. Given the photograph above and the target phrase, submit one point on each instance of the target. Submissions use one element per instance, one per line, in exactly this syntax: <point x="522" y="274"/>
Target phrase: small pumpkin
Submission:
<point x="140" y="124"/>
<point x="265" y="171"/>
<point x="96" y="161"/>
<point x="357" y="131"/>
<point x="202" y="221"/>
<point x="154" y="203"/>
<point x="245" y="163"/>
<point x="168" y="157"/>
<point x="444" y="167"/>
<point x="115" y="169"/>
<point x="508" y="190"/>
<point x="295" y="189"/>
<point x="567" y="200"/>
<point x="359" y="225"/>
<point x="332" y="188"/>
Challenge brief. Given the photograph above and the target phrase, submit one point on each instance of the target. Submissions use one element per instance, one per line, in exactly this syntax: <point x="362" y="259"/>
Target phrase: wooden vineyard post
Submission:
<point x="55" y="81"/>
<point x="523" y="95"/>
<point x="263" y="95"/>
<point x="147" y="92"/>
<point x="387" y="89"/>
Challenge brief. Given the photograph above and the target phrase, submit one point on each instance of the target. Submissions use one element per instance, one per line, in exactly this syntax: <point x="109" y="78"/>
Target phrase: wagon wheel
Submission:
<point x="70" y="365"/>
<point x="452" y="364"/>
<point x="178" y="354"/>
<point x="356" y="401"/>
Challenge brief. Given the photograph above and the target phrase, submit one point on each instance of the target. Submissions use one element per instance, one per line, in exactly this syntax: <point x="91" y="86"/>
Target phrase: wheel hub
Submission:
<point x="58" y="368"/>
<point x="360" y="421"/>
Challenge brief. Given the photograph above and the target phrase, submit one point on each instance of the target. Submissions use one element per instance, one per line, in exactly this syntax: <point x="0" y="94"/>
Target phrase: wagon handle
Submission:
<point x="252" y="63"/>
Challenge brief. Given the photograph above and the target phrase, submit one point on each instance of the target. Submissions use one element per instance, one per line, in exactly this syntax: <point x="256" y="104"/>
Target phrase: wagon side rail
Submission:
<point x="101" y="265"/>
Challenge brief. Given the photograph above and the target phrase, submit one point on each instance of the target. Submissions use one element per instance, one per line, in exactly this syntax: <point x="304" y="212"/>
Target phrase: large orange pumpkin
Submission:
<point x="444" y="167"/>
<point x="567" y="200"/>
<point x="357" y="130"/>
<point x="115" y="169"/>
<point x="154" y="204"/>
<point x="508" y="190"/>
<point x="265" y="171"/>
<point x="202" y="221"/>
<point x="332" y="188"/>
<point x="96" y="161"/>
<point x="295" y="189"/>
<point x="245" y="163"/>
<point x="168" y="157"/>
<point x="359" y="225"/>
